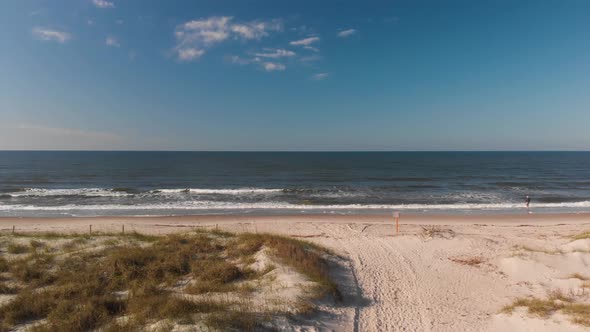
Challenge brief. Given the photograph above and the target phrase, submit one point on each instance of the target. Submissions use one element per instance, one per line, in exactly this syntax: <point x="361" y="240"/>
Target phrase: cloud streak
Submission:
<point x="103" y="4"/>
<point x="346" y="33"/>
<point x="272" y="66"/>
<point x="268" y="66"/>
<point x="275" y="53"/>
<point x="51" y="35"/>
<point x="305" y="42"/>
<point x="319" y="76"/>
<point x="189" y="54"/>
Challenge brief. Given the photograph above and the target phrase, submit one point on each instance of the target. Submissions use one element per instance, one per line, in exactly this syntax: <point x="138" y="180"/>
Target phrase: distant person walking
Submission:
<point x="528" y="203"/>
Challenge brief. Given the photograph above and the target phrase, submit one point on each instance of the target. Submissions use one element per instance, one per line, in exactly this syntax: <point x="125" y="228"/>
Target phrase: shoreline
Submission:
<point x="376" y="217"/>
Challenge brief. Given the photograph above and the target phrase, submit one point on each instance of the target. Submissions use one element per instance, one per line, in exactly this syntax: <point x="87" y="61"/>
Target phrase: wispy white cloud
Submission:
<point x="112" y="42"/>
<point x="103" y="4"/>
<point x="310" y="58"/>
<point x="238" y="60"/>
<point x="51" y="35"/>
<point x="257" y="61"/>
<point x="273" y="66"/>
<point x="311" y="48"/>
<point x="319" y="76"/>
<point x="189" y="54"/>
<point x="275" y="53"/>
<point x="347" y="33"/>
<point x="305" y="42"/>
<point x="204" y="33"/>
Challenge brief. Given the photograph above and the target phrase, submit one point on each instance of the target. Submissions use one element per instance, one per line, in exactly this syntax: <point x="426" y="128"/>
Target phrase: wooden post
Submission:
<point x="12" y="230"/>
<point x="123" y="229"/>
<point x="396" y="217"/>
<point x="216" y="227"/>
<point x="90" y="231"/>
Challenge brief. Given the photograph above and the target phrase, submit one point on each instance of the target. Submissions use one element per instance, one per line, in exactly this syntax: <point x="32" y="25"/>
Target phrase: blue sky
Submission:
<point x="295" y="75"/>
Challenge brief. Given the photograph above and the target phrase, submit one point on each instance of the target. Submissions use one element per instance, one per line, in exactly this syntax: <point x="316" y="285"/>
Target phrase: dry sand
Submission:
<point x="441" y="273"/>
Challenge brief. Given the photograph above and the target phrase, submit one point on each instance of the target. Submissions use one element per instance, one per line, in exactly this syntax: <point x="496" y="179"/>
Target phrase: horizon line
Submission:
<point x="290" y="151"/>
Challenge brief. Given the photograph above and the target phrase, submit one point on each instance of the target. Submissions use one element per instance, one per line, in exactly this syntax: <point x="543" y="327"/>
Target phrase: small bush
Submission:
<point x="3" y="264"/>
<point x="5" y="289"/>
<point x="35" y="245"/>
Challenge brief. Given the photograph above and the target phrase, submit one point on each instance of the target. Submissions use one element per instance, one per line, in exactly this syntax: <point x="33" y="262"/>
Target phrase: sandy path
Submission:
<point x="409" y="283"/>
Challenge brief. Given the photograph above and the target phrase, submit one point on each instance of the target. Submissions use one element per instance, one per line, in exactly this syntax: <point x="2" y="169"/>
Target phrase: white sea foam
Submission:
<point x="211" y="205"/>
<point x="30" y="192"/>
<point x="204" y="191"/>
<point x="103" y="192"/>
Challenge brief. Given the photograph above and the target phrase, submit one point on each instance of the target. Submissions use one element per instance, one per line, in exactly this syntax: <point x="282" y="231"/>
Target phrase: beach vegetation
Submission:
<point x="579" y="313"/>
<point x="132" y="281"/>
<point x="578" y="276"/>
<point x="17" y="248"/>
<point x="582" y="236"/>
<point x="470" y="261"/>
<point x="539" y="250"/>
<point x="435" y="231"/>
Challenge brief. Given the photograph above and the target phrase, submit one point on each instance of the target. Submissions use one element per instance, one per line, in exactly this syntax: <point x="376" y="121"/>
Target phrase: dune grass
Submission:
<point x="579" y="276"/>
<point x="470" y="261"/>
<point x="16" y="248"/>
<point x="582" y="236"/>
<point x="544" y="308"/>
<point x="137" y="280"/>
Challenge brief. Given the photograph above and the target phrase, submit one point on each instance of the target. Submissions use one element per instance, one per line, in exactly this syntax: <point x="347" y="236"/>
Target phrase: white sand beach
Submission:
<point x="440" y="273"/>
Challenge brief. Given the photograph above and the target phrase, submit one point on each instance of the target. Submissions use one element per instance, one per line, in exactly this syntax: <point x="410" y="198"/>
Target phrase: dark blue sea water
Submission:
<point x="169" y="183"/>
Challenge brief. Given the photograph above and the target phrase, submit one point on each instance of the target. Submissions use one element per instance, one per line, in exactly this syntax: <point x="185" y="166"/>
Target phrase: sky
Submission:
<point x="299" y="75"/>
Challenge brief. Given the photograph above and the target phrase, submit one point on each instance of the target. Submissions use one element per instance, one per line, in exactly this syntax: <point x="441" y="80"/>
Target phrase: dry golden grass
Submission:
<point x="582" y="236"/>
<point x="434" y="231"/>
<point x="3" y="264"/>
<point x="557" y="301"/>
<point x="304" y="256"/>
<point x="540" y="250"/>
<point x="139" y="277"/>
<point x="16" y="248"/>
<point x="578" y="276"/>
<point x="471" y="261"/>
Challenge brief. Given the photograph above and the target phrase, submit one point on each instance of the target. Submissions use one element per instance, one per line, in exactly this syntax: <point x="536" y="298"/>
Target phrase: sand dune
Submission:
<point x="441" y="273"/>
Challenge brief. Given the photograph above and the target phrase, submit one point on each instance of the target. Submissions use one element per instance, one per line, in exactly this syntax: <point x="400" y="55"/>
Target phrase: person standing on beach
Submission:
<point x="528" y="203"/>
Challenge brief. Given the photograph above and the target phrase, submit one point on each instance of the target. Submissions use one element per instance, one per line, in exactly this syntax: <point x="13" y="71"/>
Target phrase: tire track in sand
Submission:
<point x="388" y="279"/>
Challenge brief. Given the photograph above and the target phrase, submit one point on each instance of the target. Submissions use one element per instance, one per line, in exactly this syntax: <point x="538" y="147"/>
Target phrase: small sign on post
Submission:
<point x="396" y="218"/>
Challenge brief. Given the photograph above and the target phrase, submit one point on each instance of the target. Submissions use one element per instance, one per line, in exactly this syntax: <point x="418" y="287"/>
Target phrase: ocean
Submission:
<point x="180" y="183"/>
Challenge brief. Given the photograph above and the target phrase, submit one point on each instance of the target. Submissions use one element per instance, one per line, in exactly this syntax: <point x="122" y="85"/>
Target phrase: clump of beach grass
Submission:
<point x="127" y="282"/>
<point x="435" y="231"/>
<point x="578" y="276"/>
<point x="557" y="301"/>
<point x="582" y="236"/>
<point x="470" y="261"/>
<point x="539" y="250"/>
<point x="17" y="248"/>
